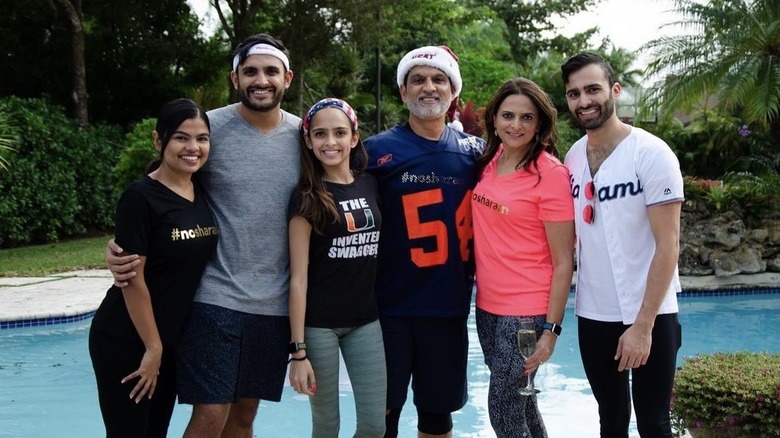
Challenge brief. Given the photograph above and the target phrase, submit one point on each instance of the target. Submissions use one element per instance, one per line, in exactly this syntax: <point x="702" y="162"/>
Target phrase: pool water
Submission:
<point x="47" y="387"/>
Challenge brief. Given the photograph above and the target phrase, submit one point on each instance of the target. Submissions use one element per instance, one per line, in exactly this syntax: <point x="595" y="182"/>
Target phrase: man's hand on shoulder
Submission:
<point x="121" y="265"/>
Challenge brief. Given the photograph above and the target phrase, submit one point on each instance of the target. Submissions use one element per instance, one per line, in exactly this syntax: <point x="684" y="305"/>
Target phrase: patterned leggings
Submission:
<point x="512" y="415"/>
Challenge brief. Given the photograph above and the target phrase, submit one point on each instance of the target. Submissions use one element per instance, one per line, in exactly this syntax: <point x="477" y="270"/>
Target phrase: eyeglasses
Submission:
<point x="589" y="212"/>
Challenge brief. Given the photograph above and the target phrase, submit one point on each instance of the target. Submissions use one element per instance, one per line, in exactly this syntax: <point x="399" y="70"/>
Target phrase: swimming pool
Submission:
<point x="47" y="386"/>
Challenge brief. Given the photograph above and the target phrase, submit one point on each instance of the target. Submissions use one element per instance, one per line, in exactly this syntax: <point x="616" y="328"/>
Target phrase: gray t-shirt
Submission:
<point x="248" y="179"/>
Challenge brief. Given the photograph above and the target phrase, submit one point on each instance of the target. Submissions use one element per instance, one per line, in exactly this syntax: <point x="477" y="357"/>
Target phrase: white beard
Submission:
<point x="428" y="111"/>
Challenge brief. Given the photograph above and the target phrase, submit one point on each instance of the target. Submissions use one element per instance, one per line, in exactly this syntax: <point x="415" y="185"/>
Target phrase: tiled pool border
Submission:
<point x="52" y="320"/>
<point x="725" y="291"/>
<point x="729" y="291"/>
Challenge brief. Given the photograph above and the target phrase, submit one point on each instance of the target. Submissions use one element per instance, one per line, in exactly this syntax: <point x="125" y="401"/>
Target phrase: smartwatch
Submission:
<point x="555" y="328"/>
<point x="296" y="347"/>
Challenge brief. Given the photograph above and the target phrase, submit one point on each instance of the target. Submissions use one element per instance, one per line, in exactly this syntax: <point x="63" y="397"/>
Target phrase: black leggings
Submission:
<point x="112" y="360"/>
<point x="651" y="384"/>
<point x="427" y="422"/>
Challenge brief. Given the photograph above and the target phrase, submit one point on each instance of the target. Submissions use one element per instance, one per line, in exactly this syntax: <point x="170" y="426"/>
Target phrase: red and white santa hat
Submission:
<point x="440" y="57"/>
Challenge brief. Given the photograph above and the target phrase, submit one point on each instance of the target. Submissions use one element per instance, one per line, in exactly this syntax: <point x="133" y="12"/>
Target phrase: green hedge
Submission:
<point x="138" y="152"/>
<point x="728" y="395"/>
<point x="60" y="180"/>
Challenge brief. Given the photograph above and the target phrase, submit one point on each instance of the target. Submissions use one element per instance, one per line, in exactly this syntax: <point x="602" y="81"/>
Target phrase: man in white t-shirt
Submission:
<point x="627" y="190"/>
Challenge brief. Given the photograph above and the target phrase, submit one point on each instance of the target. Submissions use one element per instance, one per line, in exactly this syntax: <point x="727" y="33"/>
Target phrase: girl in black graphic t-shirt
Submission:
<point x="164" y="218"/>
<point x="334" y="236"/>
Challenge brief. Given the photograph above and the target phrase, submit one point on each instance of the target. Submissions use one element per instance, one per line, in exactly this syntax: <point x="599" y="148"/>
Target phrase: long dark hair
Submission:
<point x="317" y="204"/>
<point x="169" y="118"/>
<point x="545" y="138"/>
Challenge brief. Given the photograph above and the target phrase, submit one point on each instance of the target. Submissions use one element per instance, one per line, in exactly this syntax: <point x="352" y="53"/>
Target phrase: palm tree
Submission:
<point x="731" y="51"/>
<point x="6" y="140"/>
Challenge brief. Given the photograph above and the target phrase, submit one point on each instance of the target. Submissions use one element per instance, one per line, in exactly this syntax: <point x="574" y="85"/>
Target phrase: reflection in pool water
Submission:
<point x="47" y="386"/>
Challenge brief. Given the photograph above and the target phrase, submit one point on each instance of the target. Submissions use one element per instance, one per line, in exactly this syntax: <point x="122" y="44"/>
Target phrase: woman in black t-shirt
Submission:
<point x="334" y="236"/>
<point x="164" y="218"/>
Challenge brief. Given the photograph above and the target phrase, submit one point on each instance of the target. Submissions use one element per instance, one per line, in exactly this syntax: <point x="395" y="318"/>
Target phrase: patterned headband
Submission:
<point x="328" y="102"/>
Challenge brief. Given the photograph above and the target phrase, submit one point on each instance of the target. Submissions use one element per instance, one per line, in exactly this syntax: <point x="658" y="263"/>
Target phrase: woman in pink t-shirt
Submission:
<point x="523" y="243"/>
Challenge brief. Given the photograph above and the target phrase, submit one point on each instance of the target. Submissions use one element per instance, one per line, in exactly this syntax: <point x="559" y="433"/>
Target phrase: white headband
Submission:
<point x="263" y="49"/>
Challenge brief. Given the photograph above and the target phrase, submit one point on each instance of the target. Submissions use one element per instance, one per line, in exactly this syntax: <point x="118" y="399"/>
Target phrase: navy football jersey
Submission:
<point x="425" y="254"/>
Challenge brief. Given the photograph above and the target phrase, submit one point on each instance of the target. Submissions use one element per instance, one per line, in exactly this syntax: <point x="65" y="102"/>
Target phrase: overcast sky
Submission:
<point x="628" y="23"/>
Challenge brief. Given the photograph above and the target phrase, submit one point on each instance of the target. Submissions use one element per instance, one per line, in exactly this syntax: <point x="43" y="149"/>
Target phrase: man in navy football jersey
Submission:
<point x="426" y="171"/>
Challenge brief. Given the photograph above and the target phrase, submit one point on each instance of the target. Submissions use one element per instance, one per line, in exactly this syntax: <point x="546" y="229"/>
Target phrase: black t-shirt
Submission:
<point x="177" y="237"/>
<point x="343" y="259"/>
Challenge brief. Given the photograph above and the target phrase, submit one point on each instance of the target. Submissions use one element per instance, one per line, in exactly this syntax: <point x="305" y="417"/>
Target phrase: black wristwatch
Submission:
<point x="555" y="328"/>
<point x="296" y="347"/>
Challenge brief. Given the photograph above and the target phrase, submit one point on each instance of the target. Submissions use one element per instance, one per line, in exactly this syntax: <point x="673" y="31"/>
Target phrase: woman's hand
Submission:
<point x="302" y="377"/>
<point x="543" y="352"/>
<point x="147" y="374"/>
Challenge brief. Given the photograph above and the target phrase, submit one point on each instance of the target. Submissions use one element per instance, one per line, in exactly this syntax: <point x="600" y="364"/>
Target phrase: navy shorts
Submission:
<point x="225" y="355"/>
<point x="432" y="353"/>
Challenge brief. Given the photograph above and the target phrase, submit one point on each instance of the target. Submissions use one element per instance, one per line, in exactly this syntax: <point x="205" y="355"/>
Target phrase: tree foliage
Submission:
<point x="530" y="25"/>
<point x="485" y="61"/>
<point x="141" y="57"/>
<point x="239" y="18"/>
<point x="34" y="49"/>
<point x="138" y="55"/>
<point x="729" y="49"/>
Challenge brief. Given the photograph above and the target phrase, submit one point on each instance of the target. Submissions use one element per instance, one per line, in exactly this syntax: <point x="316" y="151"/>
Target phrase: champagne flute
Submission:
<point x="526" y="341"/>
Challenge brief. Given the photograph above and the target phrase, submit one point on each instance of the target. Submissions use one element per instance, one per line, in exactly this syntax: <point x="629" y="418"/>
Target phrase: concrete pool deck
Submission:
<point x="52" y="298"/>
<point x="46" y="300"/>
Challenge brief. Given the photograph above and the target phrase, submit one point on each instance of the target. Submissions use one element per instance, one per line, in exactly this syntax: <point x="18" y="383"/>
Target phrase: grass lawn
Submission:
<point x="51" y="258"/>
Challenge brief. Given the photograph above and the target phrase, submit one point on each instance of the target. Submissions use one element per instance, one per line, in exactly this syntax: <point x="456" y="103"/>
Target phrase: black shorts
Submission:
<point x="432" y="353"/>
<point x="225" y="355"/>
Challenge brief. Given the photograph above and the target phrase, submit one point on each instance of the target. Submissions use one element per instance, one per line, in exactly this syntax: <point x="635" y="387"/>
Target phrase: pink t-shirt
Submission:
<point x="514" y="265"/>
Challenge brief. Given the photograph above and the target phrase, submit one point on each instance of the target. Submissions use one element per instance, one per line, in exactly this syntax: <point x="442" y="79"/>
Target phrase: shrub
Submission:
<point x="728" y="395"/>
<point x="96" y="149"/>
<point x="56" y="184"/>
<point x="713" y="143"/>
<point x="699" y="188"/>
<point x="139" y="151"/>
<point x="754" y="194"/>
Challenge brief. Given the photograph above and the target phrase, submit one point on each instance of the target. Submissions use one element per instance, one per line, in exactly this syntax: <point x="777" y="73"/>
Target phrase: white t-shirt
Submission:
<point x="615" y="251"/>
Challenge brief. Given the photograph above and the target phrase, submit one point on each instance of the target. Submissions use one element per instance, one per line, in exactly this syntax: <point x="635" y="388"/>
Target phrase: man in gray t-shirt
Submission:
<point x="233" y="351"/>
